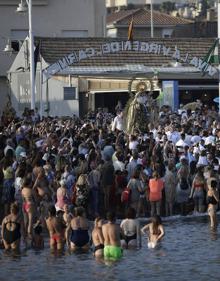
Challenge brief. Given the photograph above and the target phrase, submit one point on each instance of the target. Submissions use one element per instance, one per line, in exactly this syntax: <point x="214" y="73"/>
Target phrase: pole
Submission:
<point x="31" y="54"/>
<point x="41" y="90"/>
<point x="218" y="58"/>
<point x="151" y="19"/>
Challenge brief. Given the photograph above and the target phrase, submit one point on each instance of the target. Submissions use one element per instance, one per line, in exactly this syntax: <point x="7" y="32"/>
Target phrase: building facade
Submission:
<point x="75" y="75"/>
<point x="56" y="18"/>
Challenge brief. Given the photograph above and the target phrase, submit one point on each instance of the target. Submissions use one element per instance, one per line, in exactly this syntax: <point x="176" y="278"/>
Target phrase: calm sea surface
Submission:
<point x="189" y="251"/>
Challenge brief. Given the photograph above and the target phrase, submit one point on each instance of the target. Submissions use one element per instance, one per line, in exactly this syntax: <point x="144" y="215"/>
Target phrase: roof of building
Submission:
<point x="143" y="17"/>
<point x="53" y="49"/>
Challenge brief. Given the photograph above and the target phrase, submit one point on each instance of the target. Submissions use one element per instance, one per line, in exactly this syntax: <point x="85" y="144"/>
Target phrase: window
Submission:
<point x="69" y="93"/>
<point x="112" y="32"/>
<point x="15" y="45"/>
<point x="17" y="38"/>
<point x="167" y="32"/>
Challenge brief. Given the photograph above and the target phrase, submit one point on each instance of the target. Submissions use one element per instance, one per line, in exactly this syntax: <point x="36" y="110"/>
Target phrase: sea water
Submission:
<point x="189" y="251"/>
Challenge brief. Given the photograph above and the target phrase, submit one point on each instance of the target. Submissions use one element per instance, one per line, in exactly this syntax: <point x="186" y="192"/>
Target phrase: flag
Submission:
<point x="212" y="55"/>
<point x="130" y="30"/>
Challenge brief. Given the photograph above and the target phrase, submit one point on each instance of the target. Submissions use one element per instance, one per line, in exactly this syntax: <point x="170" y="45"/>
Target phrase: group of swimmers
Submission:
<point x="107" y="239"/>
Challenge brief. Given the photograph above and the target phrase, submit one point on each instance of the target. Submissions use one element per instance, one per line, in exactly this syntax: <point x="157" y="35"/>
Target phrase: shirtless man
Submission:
<point x="97" y="238"/>
<point x="56" y="229"/>
<point x="111" y="233"/>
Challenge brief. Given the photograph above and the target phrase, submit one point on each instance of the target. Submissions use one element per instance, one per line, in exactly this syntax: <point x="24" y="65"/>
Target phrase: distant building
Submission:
<point x="198" y="29"/>
<point x="55" y="18"/>
<point x="164" y="25"/>
<point x="124" y="3"/>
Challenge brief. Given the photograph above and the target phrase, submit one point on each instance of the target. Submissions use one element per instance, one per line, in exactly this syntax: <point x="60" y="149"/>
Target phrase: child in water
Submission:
<point x="155" y="231"/>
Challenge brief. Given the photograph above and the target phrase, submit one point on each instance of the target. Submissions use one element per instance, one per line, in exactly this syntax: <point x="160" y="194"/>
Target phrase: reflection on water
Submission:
<point x="189" y="251"/>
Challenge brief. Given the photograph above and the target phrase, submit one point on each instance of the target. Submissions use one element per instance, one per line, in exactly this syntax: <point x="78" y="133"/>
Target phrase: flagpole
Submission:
<point x="218" y="50"/>
<point x="151" y="19"/>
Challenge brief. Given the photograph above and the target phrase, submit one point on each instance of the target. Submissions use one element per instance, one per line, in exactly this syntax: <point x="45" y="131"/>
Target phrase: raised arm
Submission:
<point x="145" y="228"/>
<point x="216" y="195"/>
<point x="3" y="227"/>
<point x="101" y="237"/>
<point x="162" y="233"/>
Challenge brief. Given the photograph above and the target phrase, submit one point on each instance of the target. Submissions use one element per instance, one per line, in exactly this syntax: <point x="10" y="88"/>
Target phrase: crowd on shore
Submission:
<point x="57" y="172"/>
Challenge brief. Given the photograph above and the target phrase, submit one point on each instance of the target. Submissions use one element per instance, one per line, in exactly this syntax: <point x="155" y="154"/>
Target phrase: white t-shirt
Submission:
<point x="209" y="140"/>
<point x="118" y="165"/>
<point x="133" y="145"/>
<point x="202" y="161"/>
<point x="188" y="140"/>
<point x="174" y="136"/>
<point x="181" y="143"/>
<point x="18" y="186"/>
<point x="117" y="123"/>
<point x="130" y="226"/>
<point x="195" y="139"/>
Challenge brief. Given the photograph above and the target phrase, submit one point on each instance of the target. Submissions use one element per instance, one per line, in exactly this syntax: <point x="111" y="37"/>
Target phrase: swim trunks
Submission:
<point x="112" y="252"/>
<point x="57" y="238"/>
<point x="26" y="207"/>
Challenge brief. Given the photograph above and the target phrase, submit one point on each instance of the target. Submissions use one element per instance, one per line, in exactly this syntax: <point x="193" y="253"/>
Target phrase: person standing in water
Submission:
<point x="130" y="228"/>
<point x="77" y="232"/>
<point x="212" y="200"/>
<point x="12" y="228"/>
<point x="155" y="231"/>
<point x="111" y="233"/>
<point x="97" y="238"/>
<point x="56" y="229"/>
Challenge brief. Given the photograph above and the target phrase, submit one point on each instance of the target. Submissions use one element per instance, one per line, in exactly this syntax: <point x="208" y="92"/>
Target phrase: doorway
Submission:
<point x="110" y="99"/>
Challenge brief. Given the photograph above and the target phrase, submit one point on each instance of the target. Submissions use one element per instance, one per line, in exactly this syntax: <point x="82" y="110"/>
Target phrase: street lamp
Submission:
<point x="22" y="8"/>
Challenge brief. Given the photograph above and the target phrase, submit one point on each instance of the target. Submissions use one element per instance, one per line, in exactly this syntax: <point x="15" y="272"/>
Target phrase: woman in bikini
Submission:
<point x="62" y="197"/>
<point x="77" y="232"/>
<point x="12" y="228"/>
<point x="28" y="206"/>
<point x="155" y="231"/>
<point x="198" y="190"/>
<point x="130" y="228"/>
<point x="97" y="238"/>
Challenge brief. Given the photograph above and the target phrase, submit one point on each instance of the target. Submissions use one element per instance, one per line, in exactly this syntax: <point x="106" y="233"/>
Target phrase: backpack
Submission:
<point x="125" y="195"/>
<point x="184" y="184"/>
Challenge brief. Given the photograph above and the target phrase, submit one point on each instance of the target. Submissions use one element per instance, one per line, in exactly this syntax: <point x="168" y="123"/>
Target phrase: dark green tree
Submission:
<point x="167" y="7"/>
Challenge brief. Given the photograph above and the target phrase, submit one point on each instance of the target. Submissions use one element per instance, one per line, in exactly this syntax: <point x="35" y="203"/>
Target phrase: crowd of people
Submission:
<point x="60" y="173"/>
